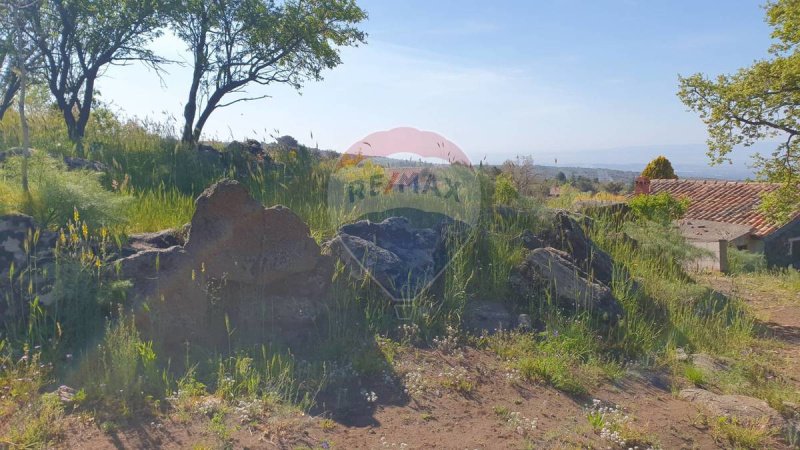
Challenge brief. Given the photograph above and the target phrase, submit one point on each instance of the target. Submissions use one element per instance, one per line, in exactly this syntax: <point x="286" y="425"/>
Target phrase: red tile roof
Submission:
<point x="722" y="201"/>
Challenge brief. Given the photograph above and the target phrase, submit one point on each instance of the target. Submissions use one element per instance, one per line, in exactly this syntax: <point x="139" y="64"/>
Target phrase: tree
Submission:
<point x="659" y="169"/>
<point x="756" y="103"/>
<point x="237" y="43"/>
<point x="561" y="178"/>
<point x="16" y="56"/>
<point x="9" y="82"/>
<point x="80" y="39"/>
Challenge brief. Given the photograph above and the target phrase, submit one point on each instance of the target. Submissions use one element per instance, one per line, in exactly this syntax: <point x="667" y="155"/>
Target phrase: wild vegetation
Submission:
<point x="91" y="331"/>
<point x="72" y="351"/>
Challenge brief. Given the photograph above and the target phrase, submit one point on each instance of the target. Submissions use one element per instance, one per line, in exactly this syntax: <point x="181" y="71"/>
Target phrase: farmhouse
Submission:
<point x="725" y="213"/>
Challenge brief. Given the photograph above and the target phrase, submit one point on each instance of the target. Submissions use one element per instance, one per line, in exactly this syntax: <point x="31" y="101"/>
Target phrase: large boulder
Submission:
<point x="551" y="272"/>
<point x="567" y="235"/>
<point x="404" y="260"/>
<point x="246" y="273"/>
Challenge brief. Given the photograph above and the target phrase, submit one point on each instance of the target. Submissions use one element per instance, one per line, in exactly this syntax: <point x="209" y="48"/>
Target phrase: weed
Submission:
<point x="737" y="435"/>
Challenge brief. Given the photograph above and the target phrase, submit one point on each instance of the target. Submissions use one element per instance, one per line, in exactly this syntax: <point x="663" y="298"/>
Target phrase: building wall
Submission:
<point x="782" y="248"/>
<point x="717" y="261"/>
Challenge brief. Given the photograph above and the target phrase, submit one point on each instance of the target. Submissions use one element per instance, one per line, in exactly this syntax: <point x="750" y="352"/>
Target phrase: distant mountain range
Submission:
<point x="689" y="161"/>
<point x="625" y="164"/>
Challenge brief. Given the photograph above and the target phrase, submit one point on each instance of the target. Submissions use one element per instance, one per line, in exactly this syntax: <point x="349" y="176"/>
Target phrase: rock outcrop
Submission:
<point x="489" y="317"/>
<point x="22" y="242"/>
<point x="748" y="410"/>
<point x="404" y="260"/>
<point x="551" y="272"/>
<point x="246" y="273"/>
<point x="567" y="235"/>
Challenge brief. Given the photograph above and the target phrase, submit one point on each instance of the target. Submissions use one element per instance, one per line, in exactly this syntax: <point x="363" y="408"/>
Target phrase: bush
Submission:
<point x="661" y="208"/>
<point x="742" y="261"/>
<point x="55" y="193"/>
<point x="504" y="190"/>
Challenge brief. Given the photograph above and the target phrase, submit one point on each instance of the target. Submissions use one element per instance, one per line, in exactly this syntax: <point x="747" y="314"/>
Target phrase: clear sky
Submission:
<point x="589" y="82"/>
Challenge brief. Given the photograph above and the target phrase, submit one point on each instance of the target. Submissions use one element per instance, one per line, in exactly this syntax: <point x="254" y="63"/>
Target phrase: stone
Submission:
<point x="84" y="164"/>
<point x="567" y="235"/>
<point x="524" y="323"/>
<point x="157" y="240"/>
<point x="14" y="151"/>
<point x="549" y="271"/>
<point x="743" y="408"/>
<point x="709" y="364"/>
<point x="65" y="394"/>
<point x="15" y="230"/>
<point x="404" y="260"/>
<point x="489" y="317"/>
<point x="246" y="268"/>
<point x="530" y="241"/>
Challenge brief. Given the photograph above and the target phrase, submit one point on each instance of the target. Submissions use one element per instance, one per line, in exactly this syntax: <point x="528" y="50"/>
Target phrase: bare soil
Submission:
<point x="438" y="413"/>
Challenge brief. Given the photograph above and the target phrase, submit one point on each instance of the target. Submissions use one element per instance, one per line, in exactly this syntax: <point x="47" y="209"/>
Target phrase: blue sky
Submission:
<point x="588" y="82"/>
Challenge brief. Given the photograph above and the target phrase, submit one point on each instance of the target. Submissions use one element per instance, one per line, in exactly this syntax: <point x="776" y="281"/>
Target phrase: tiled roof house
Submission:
<point x="733" y="203"/>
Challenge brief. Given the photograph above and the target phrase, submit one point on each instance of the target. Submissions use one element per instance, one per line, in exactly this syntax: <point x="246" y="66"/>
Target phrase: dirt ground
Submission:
<point x="491" y="410"/>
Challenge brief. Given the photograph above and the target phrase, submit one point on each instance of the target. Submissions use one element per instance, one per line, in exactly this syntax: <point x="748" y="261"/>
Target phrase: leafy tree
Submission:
<point x="659" y="169"/>
<point x="236" y="43"/>
<point x="758" y="102"/>
<point x="561" y="177"/>
<point x="79" y="39"/>
<point x="9" y="81"/>
<point x="614" y="187"/>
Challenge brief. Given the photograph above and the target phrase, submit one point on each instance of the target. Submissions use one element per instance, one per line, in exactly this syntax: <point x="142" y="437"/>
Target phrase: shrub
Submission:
<point x="661" y="208"/>
<point x="742" y="261"/>
<point x="504" y="190"/>
<point x="56" y="193"/>
<point x="659" y="168"/>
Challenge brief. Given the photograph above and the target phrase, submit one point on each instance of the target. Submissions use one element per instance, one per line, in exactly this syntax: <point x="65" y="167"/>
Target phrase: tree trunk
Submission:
<point x="23" y="120"/>
<point x="190" y="110"/>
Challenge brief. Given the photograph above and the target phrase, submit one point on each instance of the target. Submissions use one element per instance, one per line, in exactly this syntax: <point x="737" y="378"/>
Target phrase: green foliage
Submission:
<point x="75" y="54"/>
<point x="695" y="375"/>
<point x="55" y="193"/>
<point x="757" y="103"/>
<point x="742" y="261"/>
<point x="259" y="43"/>
<point x="36" y="424"/>
<point x="124" y="372"/>
<point x="505" y="192"/>
<point x="659" y="169"/>
<point x="661" y="208"/>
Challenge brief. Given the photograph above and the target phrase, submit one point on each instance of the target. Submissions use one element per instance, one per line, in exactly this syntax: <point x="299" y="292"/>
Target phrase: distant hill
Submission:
<point x="602" y="174"/>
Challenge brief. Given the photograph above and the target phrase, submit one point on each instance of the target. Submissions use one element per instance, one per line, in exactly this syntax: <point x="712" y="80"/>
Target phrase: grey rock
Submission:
<point x="524" y="322"/>
<point x="15" y="231"/>
<point x="549" y="271"/>
<point x="158" y="240"/>
<point x="530" y="240"/>
<point x="567" y="235"/>
<point x="743" y="408"/>
<point x="402" y="259"/>
<point x="14" y="151"/>
<point x="84" y="164"/>
<point x="710" y="364"/>
<point x="489" y="317"/>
